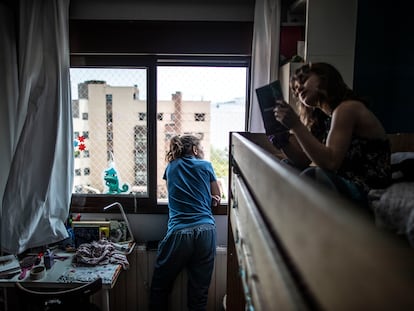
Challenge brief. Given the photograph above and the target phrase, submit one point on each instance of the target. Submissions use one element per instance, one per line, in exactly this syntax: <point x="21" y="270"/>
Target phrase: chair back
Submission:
<point x="39" y="299"/>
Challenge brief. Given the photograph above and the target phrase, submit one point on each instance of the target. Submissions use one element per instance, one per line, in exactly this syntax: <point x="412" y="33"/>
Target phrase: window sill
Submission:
<point x="159" y="209"/>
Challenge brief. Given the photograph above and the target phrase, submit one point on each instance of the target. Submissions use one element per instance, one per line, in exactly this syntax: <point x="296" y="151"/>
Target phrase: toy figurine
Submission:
<point x="112" y="181"/>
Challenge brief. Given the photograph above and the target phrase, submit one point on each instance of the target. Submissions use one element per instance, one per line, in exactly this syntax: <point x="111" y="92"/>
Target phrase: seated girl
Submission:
<point x="334" y="138"/>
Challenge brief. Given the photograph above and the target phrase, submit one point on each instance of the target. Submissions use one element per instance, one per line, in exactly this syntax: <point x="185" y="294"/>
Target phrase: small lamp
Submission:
<point x="131" y="241"/>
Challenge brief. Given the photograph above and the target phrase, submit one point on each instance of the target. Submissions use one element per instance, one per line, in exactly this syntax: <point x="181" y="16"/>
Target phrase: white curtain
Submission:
<point x="36" y="145"/>
<point x="265" y="54"/>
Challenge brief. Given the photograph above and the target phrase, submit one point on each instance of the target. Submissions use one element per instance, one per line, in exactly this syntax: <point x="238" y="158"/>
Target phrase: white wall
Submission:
<point x="147" y="227"/>
<point x="331" y="34"/>
<point x="150" y="227"/>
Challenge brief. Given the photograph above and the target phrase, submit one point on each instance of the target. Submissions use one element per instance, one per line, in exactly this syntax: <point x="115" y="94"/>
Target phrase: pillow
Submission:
<point x="398" y="157"/>
<point x="393" y="208"/>
<point x="402" y="166"/>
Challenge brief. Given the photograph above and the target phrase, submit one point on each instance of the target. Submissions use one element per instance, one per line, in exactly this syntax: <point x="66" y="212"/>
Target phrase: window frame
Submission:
<point x="181" y="43"/>
<point x="132" y="203"/>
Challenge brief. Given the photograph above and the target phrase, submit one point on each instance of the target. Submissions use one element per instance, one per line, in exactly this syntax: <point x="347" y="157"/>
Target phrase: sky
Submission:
<point x="216" y="84"/>
<point x="225" y="87"/>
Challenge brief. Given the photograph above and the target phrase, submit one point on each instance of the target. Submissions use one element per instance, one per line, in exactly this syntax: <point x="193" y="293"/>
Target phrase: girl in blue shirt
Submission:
<point x="190" y="241"/>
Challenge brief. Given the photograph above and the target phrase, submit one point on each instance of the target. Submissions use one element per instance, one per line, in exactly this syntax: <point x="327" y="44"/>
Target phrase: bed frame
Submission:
<point x="401" y="142"/>
<point x="293" y="245"/>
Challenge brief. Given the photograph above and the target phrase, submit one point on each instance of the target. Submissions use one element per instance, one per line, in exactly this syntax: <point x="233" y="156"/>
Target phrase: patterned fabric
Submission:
<point x="367" y="163"/>
<point x="100" y="252"/>
<point x="88" y="273"/>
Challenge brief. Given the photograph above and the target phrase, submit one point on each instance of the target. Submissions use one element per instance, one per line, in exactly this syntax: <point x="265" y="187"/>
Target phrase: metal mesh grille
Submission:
<point x="110" y="123"/>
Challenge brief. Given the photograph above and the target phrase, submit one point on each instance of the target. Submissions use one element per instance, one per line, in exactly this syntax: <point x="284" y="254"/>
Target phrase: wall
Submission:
<point x="147" y="226"/>
<point x="330" y="34"/>
<point x="213" y="10"/>
<point x="371" y="43"/>
<point x="151" y="227"/>
<point x="384" y="66"/>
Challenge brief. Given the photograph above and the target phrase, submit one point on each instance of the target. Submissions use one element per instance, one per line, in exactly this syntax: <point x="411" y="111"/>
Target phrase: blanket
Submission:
<point x="394" y="208"/>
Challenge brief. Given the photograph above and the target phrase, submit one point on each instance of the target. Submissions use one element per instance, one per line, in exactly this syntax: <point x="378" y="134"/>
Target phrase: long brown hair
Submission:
<point x="181" y="146"/>
<point x="333" y="91"/>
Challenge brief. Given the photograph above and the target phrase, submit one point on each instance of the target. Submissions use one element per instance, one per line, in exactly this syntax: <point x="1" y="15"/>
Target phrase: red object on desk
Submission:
<point x="38" y="258"/>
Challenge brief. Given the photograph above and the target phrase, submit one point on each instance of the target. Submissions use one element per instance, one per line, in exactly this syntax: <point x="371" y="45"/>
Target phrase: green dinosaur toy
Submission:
<point x="112" y="181"/>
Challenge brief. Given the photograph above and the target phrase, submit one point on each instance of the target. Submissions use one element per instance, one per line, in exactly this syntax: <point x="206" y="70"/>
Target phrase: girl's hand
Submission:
<point x="279" y="140"/>
<point x="215" y="200"/>
<point x="286" y="115"/>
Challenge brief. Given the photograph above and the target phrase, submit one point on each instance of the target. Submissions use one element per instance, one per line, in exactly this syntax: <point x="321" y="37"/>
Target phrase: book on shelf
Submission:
<point x="266" y="97"/>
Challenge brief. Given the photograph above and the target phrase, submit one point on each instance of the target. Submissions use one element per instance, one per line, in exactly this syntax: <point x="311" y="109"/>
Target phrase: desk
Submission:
<point x="64" y="275"/>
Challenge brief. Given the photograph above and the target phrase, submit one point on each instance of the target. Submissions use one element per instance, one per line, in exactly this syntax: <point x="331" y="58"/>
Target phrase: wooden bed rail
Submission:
<point x="296" y="246"/>
<point x="401" y="142"/>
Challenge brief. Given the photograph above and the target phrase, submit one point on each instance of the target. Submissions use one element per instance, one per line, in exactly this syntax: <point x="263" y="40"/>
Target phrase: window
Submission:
<point x="205" y="101"/>
<point x="75" y="109"/>
<point x="115" y="153"/>
<point x="140" y="160"/>
<point x="199" y="117"/>
<point x="107" y="99"/>
<point x="124" y="78"/>
<point x="142" y="116"/>
<point x="208" y="102"/>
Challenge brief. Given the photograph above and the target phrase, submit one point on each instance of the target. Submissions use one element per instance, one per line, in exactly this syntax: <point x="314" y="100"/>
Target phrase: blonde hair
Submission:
<point x="181" y="146"/>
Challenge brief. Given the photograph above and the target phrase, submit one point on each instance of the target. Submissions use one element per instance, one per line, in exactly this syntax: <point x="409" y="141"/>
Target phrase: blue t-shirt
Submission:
<point x="189" y="192"/>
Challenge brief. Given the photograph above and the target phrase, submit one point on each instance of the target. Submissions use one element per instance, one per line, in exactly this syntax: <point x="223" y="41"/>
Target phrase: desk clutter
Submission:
<point x="100" y="252"/>
<point x="27" y="266"/>
<point x="114" y="231"/>
<point x="9" y="266"/>
<point x="90" y="261"/>
<point x="87" y="231"/>
<point x="93" y="249"/>
<point x="89" y="273"/>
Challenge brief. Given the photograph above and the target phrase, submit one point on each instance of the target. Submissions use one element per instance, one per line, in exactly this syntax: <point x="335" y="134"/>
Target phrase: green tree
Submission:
<point x="220" y="159"/>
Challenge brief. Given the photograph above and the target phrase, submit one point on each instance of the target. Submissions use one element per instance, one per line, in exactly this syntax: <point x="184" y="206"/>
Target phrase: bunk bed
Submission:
<point x="293" y="245"/>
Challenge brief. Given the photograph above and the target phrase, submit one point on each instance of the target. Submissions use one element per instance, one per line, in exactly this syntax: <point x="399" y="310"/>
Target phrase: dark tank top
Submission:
<point x="367" y="162"/>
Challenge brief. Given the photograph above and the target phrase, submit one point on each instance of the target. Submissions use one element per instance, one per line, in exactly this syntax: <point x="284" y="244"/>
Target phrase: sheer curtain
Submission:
<point x="36" y="146"/>
<point x="265" y="54"/>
